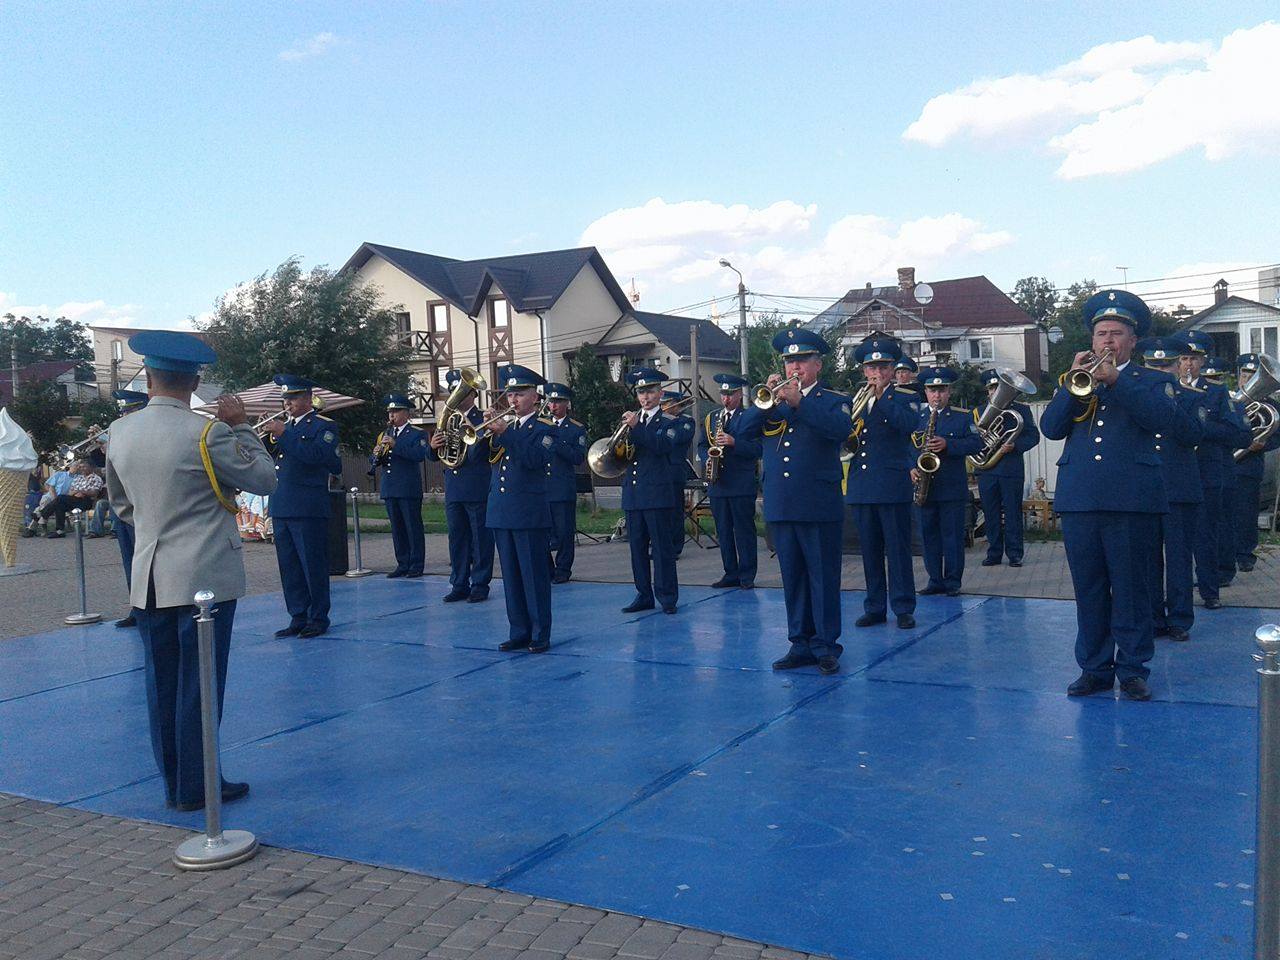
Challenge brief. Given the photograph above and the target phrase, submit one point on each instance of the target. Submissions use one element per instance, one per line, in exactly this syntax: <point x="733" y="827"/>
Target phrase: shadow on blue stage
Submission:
<point x="939" y="798"/>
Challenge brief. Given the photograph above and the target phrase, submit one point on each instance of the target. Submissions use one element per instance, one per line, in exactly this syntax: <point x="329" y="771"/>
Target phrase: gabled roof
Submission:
<point x="674" y="333"/>
<point x="530" y="281"/>
<point x="1206" y="315"/>
<point x="964" y="302"/>
<point x="33" y="373"/>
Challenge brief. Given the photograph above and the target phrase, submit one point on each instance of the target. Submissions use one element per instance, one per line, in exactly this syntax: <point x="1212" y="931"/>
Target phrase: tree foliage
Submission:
<point x="598" y="400"/>
<point x="40" y="409"/>
<point x="1037" y="298"/>
<point x="323" y="325"/>
<point x="39" y="339"/>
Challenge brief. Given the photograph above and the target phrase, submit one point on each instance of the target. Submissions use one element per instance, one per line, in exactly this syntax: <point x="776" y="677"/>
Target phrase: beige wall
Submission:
<point x="631" y="332"/>
<point x="130" y="363"/>
<point x="583" y="314"/>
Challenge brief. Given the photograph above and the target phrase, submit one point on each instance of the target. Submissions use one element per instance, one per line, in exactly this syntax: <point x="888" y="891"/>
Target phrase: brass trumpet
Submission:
<point x="673" y="408"/>
<point x="1083" y="381"/>
<point x="264" y="420"/>
<point x="766" y="397"/>
<point x="501" y="411"/>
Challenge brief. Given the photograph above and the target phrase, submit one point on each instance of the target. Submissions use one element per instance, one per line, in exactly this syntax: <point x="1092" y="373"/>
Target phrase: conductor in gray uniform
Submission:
<point x="173" y="475"/>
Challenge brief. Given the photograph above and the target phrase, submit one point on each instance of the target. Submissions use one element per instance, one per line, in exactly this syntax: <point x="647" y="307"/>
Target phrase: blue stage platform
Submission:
<point x="939" y="798"/>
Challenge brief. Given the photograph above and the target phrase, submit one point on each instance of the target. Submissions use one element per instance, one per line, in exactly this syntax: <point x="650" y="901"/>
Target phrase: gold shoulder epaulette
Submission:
<point x="902" y="388"/>
<point x="576" y="423"/>
<point x="961" y="410"/>
<point x="1189" y="386"/>
<point x="320" y="416"/>
<point x="547" y="421"/>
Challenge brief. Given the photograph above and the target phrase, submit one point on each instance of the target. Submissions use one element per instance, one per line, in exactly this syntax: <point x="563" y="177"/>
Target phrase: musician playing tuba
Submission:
<point x="1000" y="485"/>
<point x="397" y="463"/>
<point x="731" y="458"/>
<point x="1249" y="462"/>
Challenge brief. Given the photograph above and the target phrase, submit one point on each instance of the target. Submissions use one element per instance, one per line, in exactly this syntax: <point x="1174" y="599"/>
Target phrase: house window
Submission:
<point x="439" y="373"/>
<point x="499" y="313"/>
<point x="439" y="318"/>
<point x="1263" y="340"/>
<point x="980" y="348"/>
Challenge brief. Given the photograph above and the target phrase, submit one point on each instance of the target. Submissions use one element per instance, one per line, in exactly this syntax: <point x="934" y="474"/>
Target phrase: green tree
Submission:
<point x="598" y="400"/>
<point x="1037" y="297"/>
<point x="40" y="409"/>
<point x="98" y="412"/>
<point x="1069" y="317"/>
<point x="39" y="339"/>
<point x="323" y="325"/>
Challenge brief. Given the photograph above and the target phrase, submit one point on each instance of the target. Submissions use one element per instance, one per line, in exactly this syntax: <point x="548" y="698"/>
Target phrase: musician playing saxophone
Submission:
<point x="397" y="463"/>
<point x="879" y="486"/>
<point x="1001" y="487"/>
<point x="733" y="494"/>
<point x="466" y="493"/>
<point x="942" y="514"/>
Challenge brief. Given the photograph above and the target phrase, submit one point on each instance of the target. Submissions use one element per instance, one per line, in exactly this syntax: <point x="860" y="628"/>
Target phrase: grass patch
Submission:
<point x="601" y="522"/>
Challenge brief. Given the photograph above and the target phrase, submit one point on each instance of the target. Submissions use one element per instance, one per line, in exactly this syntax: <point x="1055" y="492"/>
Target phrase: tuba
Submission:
<point x="857" y="410"/>
<point x="998" y="425"/>
<point x="928" y="463"/>
<point x="453" y="420"/>
<point x="1262" y="415"/>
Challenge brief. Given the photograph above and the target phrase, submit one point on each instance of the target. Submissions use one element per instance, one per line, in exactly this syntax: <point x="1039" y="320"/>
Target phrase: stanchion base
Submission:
<point x="361" y="572"/>
<point x="202" y="853"/>
<point x="79" y="619"/>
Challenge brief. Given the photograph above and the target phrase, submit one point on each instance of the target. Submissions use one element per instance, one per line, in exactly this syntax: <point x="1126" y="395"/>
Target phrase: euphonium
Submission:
<point x="453" y="419"/>
<point x="766" y="397"/>
<point x="928" y="463"/>
<point x="1261" y="414"/>
<point x="715" y="454"/>
<point x="857" y="410"/>
<point x="610" y="456"/>
<point x="1083" y="381"/>
<point x="998" y="425"/>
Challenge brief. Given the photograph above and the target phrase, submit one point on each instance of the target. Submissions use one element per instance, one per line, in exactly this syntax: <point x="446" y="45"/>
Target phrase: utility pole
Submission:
<point x="695" y="387"/>
<point x="13" y="361"/>
<point x="742" y="314"/>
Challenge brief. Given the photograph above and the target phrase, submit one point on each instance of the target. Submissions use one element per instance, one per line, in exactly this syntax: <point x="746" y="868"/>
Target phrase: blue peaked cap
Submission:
<point x="1215" y="367"/>
<point x="906" y="363"/>
<point x="938" y="376"/>
<point x="172" y="351"/>
<point x="1120" y="305"/>
<point x="730" y="382"/>
<point x="1247" y="361"/>
<point x="1161" y="349"/>
<point x="512" y="376"/>
<point x="878" y="350"/>
<point x="798" y="342"/>
<point x="557" y="391"/>
<point x="990" y="376"/>
<point x="289" y="383"/>
<point x="645" y="377"/>
<point x="126" y="399"/>
<point x="1196" y="342"/>
<point x="398" y="401"/>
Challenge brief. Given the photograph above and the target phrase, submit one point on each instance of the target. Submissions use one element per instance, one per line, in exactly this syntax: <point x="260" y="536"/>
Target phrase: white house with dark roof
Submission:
<point x="966" y="320"/>
<point x="1238" y="325"/>
<point x="664" y="341"/>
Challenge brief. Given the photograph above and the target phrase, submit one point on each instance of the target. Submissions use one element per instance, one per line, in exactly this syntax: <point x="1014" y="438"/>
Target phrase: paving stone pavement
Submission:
<point x="83" y="886"/>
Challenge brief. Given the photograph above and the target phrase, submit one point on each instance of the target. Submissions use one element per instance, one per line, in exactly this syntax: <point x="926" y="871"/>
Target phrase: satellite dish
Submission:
<point x="1055" y="334"/>
<point x="924" y="294"/>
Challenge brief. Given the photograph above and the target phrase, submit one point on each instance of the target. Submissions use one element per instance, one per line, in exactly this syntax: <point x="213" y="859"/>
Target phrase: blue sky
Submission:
<point x="157" y="156"/>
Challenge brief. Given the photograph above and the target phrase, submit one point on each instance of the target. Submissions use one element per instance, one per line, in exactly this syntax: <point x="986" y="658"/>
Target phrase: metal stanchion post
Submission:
<point x="215" y="849"/>
<point x="84" y="616"/>
<point x="1266" y="900"/>
<point x="359" y="571"/>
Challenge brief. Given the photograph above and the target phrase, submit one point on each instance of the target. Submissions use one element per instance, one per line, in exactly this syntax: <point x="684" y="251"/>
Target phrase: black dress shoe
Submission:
<point x="1160" y="631"/>
<point x="953" y="593"/>
<point x="1135" y="688"/>
<point x="1225" y="583"/>
<point x="129" y="621"/>
<point x="1015" y="563"/>
<point x="292" y="630"/>
<point x="312" y="630"/>
<point x="413" y="575"/>
<point x="724" y="582"/>
<point x="542" y="647"/>
<point x="1177" y="633"/>
<point x="560" y="578"/>
<point x="1214" y="604"/>
<point x="828" y="664"/>
<point x="906" y="621"/>
<point x="794" y="661"/>
<point x="230" y="793"/>
<point x="636" y="605"/>
<point x="394" y="574"/>
<point x="988" y="562"/>
<point x="747" y="585"/>
<point x="1087" y="684"/>
<point x="453" y="596"/>
<point x="869" y="620"/>
<point x="478" y="596"/>
<point x="931" y="590"/>
<point x="668" y="608"/>
<point x="508" y="645"/>
<point x="1246" y="568"/>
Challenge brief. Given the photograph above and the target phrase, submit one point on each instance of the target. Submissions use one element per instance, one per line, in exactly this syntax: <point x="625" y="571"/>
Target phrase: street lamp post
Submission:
<point x="742" y="314"/>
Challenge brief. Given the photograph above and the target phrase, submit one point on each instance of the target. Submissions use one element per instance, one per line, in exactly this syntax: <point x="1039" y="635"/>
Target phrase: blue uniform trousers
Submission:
<point x="564" y="525"/>
<point x="1108" y="554"/>
<point x="470" y="547"/>
<point x="942" y="536"/>
<point x="809" y="557"/>
<point x="407" y="538"/>
<point x="1208" y="530"/>
<point x="649" y="534"/>
<point x="302" y="550"/>
<point x="677" y="521"/>
<point x="1002" y="510"/>
<point x="735" y="519"/>
<point x="173" y="691"/>
<point x="1172" y="592"/>
<point x="526" y="583"/>
<point x="884" y="530"/>
<point x="125" y="539"/>
<point x="1248" y="493"/>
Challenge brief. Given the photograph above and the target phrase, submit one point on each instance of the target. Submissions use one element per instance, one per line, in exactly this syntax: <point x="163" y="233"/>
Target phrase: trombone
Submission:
<point x="472" y="434"/>
<point x="97" y="438"/>
<point x="1083" y="381"/>
<point x="766" y="397"/>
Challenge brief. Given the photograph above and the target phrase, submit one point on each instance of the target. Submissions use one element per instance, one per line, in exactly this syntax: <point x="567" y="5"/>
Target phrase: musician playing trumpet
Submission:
<point x="1000" y="487"/>
<point x="397" y="462"/>
<point x="466" y="494"/>
<point x="942" y="514"/>
<point x="732" y="492"/>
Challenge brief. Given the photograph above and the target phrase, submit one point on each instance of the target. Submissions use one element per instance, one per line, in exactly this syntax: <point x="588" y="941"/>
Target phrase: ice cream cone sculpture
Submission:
<point x="17" y="460"/>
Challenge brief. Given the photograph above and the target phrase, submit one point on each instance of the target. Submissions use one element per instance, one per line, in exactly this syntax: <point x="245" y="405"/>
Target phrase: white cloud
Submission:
<point x="1128" y="105"/>
<point x="91" y="312"/>
<point x="666" y="245"/>
<point x="320" y="44"/>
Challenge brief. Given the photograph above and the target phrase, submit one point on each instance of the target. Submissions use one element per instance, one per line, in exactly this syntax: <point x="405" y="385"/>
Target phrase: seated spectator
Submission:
<point x="34" y="486"/>
<point x="84" y="488"/>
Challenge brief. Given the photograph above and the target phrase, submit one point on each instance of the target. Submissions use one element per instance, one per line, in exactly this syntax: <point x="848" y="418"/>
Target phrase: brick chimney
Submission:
<point x="1219" y="292"/>
<point x="906" y="279"/>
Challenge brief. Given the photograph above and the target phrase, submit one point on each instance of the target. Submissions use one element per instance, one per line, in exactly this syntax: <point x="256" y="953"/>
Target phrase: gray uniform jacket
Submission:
<point x="185" y="540"/>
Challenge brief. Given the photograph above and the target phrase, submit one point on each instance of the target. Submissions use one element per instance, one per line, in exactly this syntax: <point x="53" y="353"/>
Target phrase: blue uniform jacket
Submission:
<point x="647" y="484"/>
<point x="685" y="429"/>
<point x="1225" y="432"/>
<point x="881" y="470"/>
<point x="306" y="453"/>
<point x="469" y="483"/>
<point x="518" y="492"/>
<point x="738" y="463"/>
<point x="802" y="470"/>
<point x="1110" y="463"/>
<point x="1253" y="466"/>
<point x="951" y="481"/>
<point x="1176" y="444"/>
<point x="567" y="452"/>
<point x="1011" y="464"/>
<point x="401" y="476"/>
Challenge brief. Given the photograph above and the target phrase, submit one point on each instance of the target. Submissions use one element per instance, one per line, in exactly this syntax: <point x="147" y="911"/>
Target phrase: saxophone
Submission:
<point x="928" y="463"/>
<point x="715" y="454"/>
